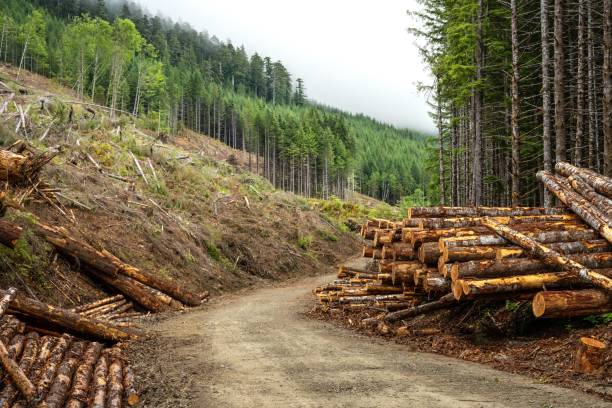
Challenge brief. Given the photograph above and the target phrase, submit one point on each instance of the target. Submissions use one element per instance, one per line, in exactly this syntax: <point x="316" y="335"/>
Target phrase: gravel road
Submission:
<point x="258" y="350"/>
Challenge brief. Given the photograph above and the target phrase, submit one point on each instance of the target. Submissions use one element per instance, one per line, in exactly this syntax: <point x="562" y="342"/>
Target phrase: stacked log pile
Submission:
<point x="115" y="309"/>
<point x="52" y="370"/>
<point x="559" y="259"/>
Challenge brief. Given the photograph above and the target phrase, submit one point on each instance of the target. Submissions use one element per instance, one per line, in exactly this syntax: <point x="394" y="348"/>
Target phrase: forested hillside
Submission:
<point x="171" y="77"/>
<point x="519" y="86"/>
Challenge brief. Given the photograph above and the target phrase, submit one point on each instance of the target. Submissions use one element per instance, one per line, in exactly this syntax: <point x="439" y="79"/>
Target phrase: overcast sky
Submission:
<point x="353" y="54"/>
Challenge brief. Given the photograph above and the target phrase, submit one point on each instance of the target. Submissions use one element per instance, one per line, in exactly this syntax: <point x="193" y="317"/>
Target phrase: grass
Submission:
<point x="305" y="241"/>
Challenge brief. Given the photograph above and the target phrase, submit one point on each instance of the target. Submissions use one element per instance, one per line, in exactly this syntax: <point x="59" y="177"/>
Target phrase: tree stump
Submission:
<point x="590" y="355"/>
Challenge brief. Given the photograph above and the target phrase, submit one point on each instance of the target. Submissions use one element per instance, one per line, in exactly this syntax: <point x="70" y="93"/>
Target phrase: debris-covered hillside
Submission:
<point x="185" y="207"/>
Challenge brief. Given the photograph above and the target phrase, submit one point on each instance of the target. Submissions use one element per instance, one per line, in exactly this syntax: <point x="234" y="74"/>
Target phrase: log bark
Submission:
<point x="444" y="302"/>
<point x="8" y="297"/>
<point x="436" y="212"/>
<point x="47" y="373"/>
<point x="429" y="253"/>
<point x="523" y="266"/>
<point x="403" y="252"/>
<point x="21" y="382"/>
<point x="79" y="392"/>
<point x="590" y="355"/>
<point x="589" y="213"/>
<point x="518" y="283"/>
<point x="468" y="253"/>
<point x="98" y="303"/>
<point x="104" y="309"/>
<point x="601" y="184"/>
<point x="603" y="203"/>
<point x="551" y="257"/>
<point x="99" y="382"/>
<point x="68" y="320"/>
<point x="571" y="303"/>
<point x="566" y="248"/>
<point x="58" y="392"/>
<point x="115" y="384"/>
<point x="467" y="222"/>
<point x="434" y="282"/>
<point x="541" y="237"/>
<point x="129" y="387"/>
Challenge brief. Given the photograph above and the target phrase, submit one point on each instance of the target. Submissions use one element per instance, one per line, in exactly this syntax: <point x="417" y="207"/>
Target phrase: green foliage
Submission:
<point x="597" y="320"/>
<point x="305" y="241"/>
<point x="213" y="251"/>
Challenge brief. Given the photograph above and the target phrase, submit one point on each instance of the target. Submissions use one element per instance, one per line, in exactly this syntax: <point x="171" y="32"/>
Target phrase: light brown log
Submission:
<point x="18" y="169"/>
<point x="469" y="253"/>
<point x="374" y="289"/>
<point x="524" y="266"/>
<point x="601" y="184"/>
<point x="115" y="384"/>
<point x="590" y="355"/>
<point x="104" y="308"/>
<point x="121" y="310"/>
<point x="434" y="282"/>
<point x="541" y="237"/>
<point x="566" y="248"/>
<point x="444" y="302"/>
<point x="552" y="257"/>
<point x="429" y="253"/>
<point x="68" y="320"/>
<point x="603" y="203"/>
<point x="571" y="303"/>
<point x="402" y="252"/>
<point x="368" y="251"/>
<point x="58" y="392"/>
<point x="517" y="283"/>
<point x="46" y="347"/>
<point x="421" y="212"/>
<point x="99" y="382"/>
<point x="467" y="222"/>
<point x="47" y="373"/>
<point x="79" y="392"/>
<point x="405" y="331"/>
<point x="21" y="384"/>
<point x="98" y="303"/>
<point x="18" y="377"/>
<point x="588" y="212"/>
<point x="10" y="327"/>
<point x="129" y="386"/>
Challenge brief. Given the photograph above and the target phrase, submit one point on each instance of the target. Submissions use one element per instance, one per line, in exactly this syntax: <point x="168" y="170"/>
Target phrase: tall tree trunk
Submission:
<point x="607" y="86"/>
<point x="580" y="100"/>
<point x="559" y="83"/>
<point x="441" y="148"/>
<point x="592" y="156"/>
<point x="516" y="148"/>
<point x="476" y="196"/>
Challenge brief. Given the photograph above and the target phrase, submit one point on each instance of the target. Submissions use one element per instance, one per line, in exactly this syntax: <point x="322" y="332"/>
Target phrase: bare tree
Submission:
<point x="516" y="147"/>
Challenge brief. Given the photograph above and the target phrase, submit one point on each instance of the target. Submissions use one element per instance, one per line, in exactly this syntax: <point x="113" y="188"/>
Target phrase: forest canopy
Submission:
<point x="172" y="77"/>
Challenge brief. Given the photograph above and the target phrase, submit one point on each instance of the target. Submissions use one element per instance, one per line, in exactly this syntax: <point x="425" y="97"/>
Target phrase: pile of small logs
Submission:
<point x="559" y="259"/>
<point x="48" y="369"/>
<point x="116" y="309"/>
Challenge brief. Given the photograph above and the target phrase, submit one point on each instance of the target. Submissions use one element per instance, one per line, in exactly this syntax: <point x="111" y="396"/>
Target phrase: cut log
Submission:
<point x="129" y="387"/>
<point x="601" y="184"/>
<point x="603" y="203"/>
<point x="566" y="248"/>
<point x="429" y="253"/>
<point x="82" y="378"/>
<point x="8" y="297"/>
<point x="571" y="303"/>
<point x="444" y="302"/>
<point x="47" y="374"/>
<point x="402" y="252"/>
<point x="66" y="319"/>
<point x="590" y="355"/>
<point x="468" y="253"/>
<point x="115" y="384"/>
<point x="434" y="282"/>
<point x="431" y="212"/>
<point x="467" y="222"/>
<point x="104" y="309"/>
<point x="541" y="237"/>
<point x="524" y="266"/>
<point x="368" y="251"/>
<point x="549" y="256"/>
<point x="99" y="382"/>
<point x="58" y="392"/>
<point x="518" y="283"/>
<point x="98" y="303"/>
<point x="589" y="213"/>
<point x="19" y="379"/>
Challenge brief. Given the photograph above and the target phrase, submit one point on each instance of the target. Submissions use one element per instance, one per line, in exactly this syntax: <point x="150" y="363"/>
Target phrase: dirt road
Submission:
<point x="257" y="350"/>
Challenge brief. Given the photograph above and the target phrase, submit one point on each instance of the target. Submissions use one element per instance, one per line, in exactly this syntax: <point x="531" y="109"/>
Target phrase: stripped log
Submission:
<point x="98" y="303"/>
<point x="430" y="212"/>
<point x="549" y="256"/>
<point x="601" y="184"/>
<point x="47" y="374"/>
<point x="468" y="253"/>
<point x="58" y="392"/>
<point x="20" y="381"/>
<point x="571" y="303"/>
<point x="517" y="283"/>
<point x="566" y="248"/>
<point x="444" y="302"/>
<point x="115" y="383"/>
<point x="82" y="378"/>
<point x="66" y="319"/>
<point x="589" y="213"/>
<point x="466" y="222"/>
<point x="129" y="387"/>
<point x="99" y="382"/>
<point x="603" y="203"/>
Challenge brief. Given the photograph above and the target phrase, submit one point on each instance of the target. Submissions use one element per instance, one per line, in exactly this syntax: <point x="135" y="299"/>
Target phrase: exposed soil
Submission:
<point x="258" y="349"/>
